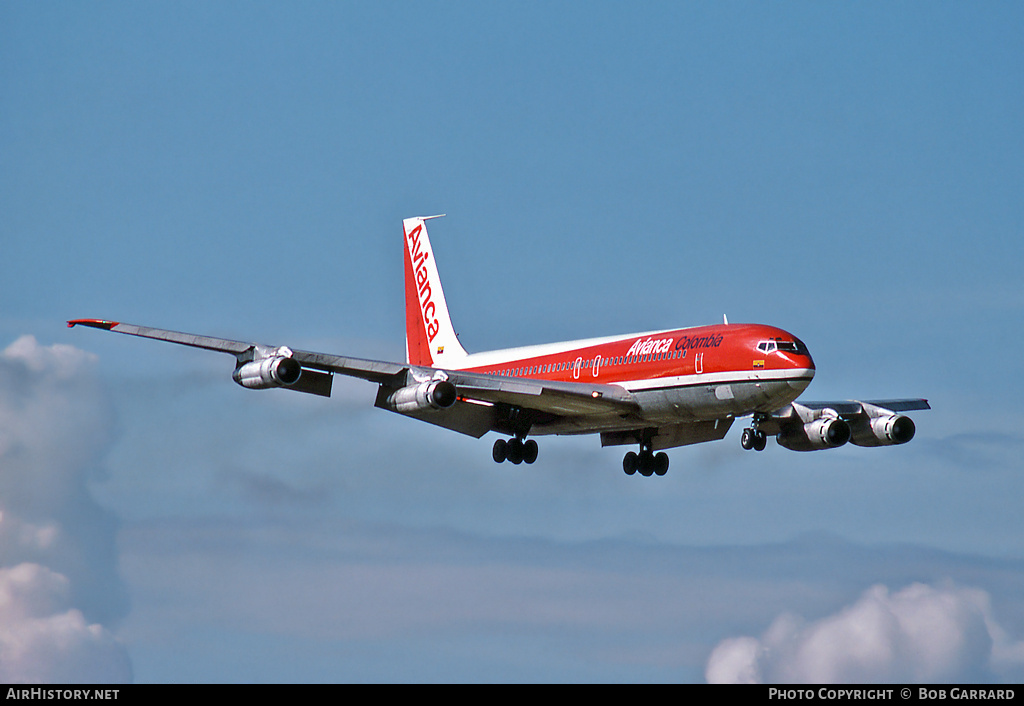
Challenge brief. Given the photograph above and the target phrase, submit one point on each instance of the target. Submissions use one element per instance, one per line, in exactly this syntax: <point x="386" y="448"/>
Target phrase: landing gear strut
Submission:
<point x="647" y="462"/>
<point x="515" y="450"/>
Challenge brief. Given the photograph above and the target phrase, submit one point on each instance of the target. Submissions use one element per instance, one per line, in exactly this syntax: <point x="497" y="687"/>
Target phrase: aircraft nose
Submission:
<point x="799" y="358"/>
<point x="803" y="362"/>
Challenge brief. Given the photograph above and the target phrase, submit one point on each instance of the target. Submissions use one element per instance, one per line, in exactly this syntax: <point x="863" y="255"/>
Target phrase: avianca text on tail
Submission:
<point x="653" y="390"/>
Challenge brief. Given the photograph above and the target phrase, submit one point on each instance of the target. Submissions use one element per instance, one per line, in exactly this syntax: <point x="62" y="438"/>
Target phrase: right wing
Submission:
<point x="245" y="353"/>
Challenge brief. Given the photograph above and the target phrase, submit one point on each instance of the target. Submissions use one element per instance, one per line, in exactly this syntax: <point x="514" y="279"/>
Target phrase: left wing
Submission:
<point x="473" y="402"/>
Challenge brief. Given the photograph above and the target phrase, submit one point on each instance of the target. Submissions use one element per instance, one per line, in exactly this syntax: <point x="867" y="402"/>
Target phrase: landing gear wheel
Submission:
<point x="500" y="451"/>
<point x="661" y="463"/>
<point x="753" y="439"/>
<point x="515" y="451"/>
<point x="646" y="463"/>
<point x="530" y="451"/>
<point x="630" y="462"/>
<point x="747" y="439"/>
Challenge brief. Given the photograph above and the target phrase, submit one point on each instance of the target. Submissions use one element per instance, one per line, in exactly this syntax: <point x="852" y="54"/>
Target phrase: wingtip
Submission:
<point x="93" y="323"/>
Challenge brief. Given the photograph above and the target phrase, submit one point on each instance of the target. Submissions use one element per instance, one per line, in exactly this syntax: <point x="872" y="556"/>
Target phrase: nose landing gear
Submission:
<point x="754" y="438"/>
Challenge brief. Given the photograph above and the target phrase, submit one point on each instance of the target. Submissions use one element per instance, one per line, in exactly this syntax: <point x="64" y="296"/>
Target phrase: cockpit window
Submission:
<point x="794" y="346"/>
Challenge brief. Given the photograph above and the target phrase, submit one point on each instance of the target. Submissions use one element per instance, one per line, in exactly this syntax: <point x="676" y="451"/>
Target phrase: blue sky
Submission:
<point x="850" y="172"/>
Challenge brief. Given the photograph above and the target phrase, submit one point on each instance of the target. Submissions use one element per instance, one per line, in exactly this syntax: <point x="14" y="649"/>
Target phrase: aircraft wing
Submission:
<point x="809" y="426"/>
<point x="478" y="395"/>
<point x="849" y="410"/>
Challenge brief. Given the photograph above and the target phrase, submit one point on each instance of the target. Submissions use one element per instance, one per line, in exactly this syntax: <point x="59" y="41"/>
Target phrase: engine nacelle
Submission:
<point x="823" y="433"/>
<point x="266" y="373"/>
<point x="437" y="394"/>
<point x="886" y="430"/>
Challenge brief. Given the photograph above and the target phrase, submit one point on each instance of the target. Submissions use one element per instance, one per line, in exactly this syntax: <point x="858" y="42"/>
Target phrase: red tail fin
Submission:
<point x="429" y="336"/>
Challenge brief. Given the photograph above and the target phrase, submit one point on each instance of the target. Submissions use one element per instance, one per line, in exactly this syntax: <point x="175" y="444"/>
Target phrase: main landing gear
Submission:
<point x="754" y="438"/>
<point x="515" y="450"/>
<point x="647" y="462"/>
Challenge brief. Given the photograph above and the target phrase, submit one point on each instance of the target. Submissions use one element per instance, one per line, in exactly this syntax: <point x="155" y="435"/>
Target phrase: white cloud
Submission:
<point x="921" y="633"/>
<point x="59" y="576"/>
<point x="735" y="661"/>
<point x="45" y="640"/>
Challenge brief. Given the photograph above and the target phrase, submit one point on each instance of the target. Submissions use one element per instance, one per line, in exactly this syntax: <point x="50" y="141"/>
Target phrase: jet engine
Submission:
<point x="823" y="433"/>
<point x="427" y="396"/>
<point x="884" y="430"/>
<point x="265" y="373"/>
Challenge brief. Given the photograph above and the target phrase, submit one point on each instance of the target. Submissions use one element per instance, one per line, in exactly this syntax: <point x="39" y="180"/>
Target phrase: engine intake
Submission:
<point x="434" y="395"/>
<point x="823" y="433"/>
<point x="276" y="371"/>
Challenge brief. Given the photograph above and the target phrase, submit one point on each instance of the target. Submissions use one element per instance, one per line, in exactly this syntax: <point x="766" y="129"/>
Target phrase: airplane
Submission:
<point x="655" y="390"/>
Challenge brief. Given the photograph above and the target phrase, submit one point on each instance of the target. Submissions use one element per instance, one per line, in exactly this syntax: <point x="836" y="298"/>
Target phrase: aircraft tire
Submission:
<point x="499" y="452"/>
<point x="646" y="464"/>
<point x="515" y="451"/>
<point x="760" y="440"/>
<point x="747" y="439"/>
<point x="630" y="463"/>
<point x="661" y="463"/>
<point x="530" y="451"/>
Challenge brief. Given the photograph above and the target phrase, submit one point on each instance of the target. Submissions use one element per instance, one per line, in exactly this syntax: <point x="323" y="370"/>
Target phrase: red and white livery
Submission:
<point x="653" y="390"/>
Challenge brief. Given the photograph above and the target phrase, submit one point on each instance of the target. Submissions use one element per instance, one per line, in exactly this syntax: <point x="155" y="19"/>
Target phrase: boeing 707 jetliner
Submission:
<point x="655" y="390"/>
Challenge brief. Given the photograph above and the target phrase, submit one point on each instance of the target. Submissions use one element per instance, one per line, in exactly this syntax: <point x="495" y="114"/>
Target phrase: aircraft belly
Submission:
<point x="714" y="401"/>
